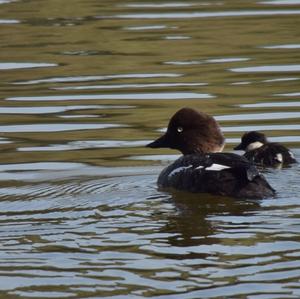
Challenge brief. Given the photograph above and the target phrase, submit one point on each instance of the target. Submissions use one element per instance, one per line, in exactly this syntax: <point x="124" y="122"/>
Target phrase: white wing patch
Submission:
<point x="217" y="167"/>
<point x="213" y="167"/>
<point x="179" y="169"/>
<point x="279" y="158"/>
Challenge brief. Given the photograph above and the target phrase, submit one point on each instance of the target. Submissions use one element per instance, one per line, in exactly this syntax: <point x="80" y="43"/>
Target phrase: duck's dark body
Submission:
<point x="271" y="154"/>
<point x="217" y="173"/>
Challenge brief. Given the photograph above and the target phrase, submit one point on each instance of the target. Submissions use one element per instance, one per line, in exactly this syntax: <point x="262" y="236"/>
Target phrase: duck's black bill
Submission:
<point x="238" y="147"/>
<point x="159" y="142"/>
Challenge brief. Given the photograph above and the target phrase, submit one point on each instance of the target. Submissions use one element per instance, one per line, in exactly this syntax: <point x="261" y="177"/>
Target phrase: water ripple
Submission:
<point x="177" y="37"/>
<point x="213" y="60"/>
<point x="124" y="96"/>
<point x="268" y="68"/>
<point x="270" y="105"/>
<point x="148" y="27"/>
<point x="23" y="65"/>
<point x="100" y="77"/>
<point x="56" y="127"/>
<point x="159" y="5"/>
<point x="131" y="86"/>
<point x="55" y="109"/>
<point x="260" y="116"/>
<point x="286" y="46"/>
<point x="226" y="60"/>
<point x="86" y="144"/>
<point x="289" y="139"/>
<point x="8" y="22"/>
<point x="4" y="140"/>
<point x="281" y="79"/>
<point x="5" y="1"/>
<point x="45" y="171"/>
<point x="290" y="94"/>
<point x="220" y="14"/>
<point x="260" y="128"/>
<point x="281" y="2"/>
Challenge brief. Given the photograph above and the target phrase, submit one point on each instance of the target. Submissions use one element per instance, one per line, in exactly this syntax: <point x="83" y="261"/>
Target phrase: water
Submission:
<point x="83" y="88"/>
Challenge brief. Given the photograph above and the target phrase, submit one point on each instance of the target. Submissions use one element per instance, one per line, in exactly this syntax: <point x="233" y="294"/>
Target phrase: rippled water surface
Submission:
<point x="84" y="86"/>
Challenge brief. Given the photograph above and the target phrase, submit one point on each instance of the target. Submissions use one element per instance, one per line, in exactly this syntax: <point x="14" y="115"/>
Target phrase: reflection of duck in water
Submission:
<point x="193" y="222"/>
<point x="259" y="150"/>
<point x="201" y="169"/>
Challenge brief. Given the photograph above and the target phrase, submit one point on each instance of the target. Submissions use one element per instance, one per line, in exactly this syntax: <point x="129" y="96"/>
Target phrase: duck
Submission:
<point x="203" y="167"/>
<point x="264" y="153"/>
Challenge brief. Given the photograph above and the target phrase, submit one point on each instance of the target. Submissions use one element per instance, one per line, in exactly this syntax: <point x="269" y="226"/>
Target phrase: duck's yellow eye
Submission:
<point x="179" y="129"/>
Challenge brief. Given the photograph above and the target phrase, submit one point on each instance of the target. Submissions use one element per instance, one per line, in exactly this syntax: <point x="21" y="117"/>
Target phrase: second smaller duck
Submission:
<point x="260" y="151"/>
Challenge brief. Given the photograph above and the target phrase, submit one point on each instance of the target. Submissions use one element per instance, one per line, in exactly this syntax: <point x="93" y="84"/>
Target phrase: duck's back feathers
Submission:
<point x="217" y="173"/>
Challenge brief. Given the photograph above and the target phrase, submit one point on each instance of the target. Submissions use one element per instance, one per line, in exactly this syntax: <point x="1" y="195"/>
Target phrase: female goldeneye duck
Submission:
<point x="260" y="151"/>
<point x="201" y="168"/>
